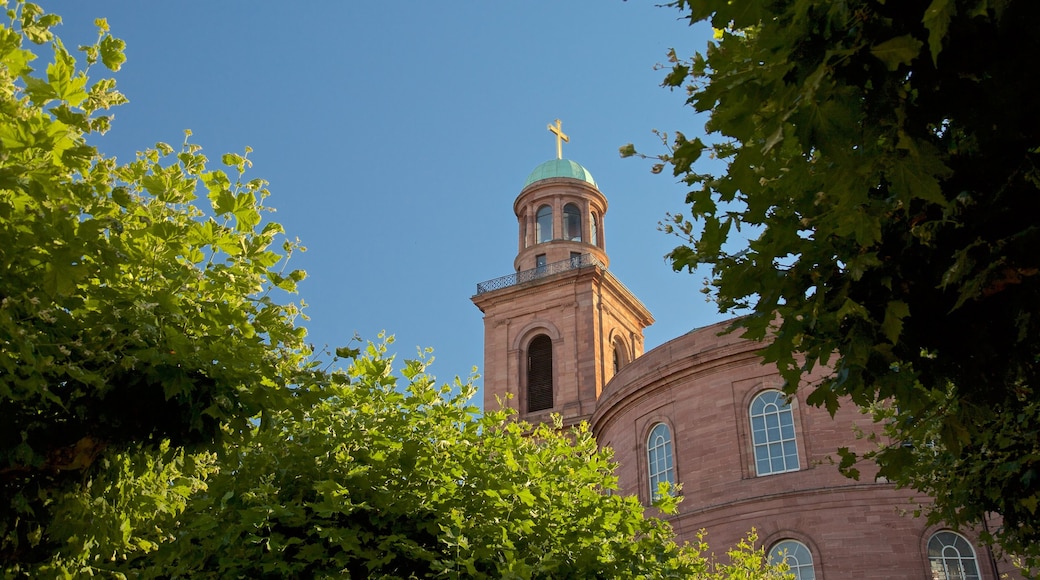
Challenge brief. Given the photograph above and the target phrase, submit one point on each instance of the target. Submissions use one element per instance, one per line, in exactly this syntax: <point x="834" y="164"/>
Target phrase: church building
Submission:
<point x="563" y="336"/>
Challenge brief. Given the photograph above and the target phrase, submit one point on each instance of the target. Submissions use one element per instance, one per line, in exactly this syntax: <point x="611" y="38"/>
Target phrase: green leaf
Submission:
<point x="897" y="51"/>
<point x="677" y="76"/>
<point x="121" y="196"/>
<point x="345" y="352"/>
<point x="112" y="52"/>
<point x="892" y="326"/>
<point x="912" y="178"/>
<point x="526" y="497"/>
<point x="937" y="20"/>
<point x="39" y="90"/>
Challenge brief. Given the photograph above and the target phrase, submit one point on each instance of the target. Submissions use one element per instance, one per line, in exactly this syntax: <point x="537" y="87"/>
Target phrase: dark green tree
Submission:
<point x="878" y="215"/>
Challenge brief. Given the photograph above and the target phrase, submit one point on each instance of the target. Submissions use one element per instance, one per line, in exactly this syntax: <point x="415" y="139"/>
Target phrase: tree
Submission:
<point x="384" y="480"/>
<point x="878" y="216"/>
<point x="134" y="324"/>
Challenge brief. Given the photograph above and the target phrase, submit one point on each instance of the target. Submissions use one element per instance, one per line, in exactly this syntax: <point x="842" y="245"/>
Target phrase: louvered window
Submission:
<point x="539" y="374"/>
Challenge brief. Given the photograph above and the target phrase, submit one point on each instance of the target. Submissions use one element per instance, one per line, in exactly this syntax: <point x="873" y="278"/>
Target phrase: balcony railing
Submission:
<point x="582" y="261"/>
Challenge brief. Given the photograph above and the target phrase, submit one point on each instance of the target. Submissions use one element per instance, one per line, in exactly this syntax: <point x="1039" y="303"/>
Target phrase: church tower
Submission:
<point x="562" y="325"/>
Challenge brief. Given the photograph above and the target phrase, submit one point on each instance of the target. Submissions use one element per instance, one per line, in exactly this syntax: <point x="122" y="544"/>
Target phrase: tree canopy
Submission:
<point x="129" y="315"/>
<point x="388" y="480"/>
<point x="877" y="215"/>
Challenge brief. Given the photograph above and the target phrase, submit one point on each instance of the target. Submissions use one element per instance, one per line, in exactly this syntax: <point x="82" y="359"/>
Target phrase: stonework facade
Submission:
<point x="700" y="410"/>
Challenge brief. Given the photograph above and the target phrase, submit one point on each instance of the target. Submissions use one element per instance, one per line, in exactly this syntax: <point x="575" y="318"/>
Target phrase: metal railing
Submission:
<point x="582" y="261"/>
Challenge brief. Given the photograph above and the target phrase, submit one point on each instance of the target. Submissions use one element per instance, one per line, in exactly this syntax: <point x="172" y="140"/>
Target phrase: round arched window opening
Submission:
<point x="620" y="354"/>
<point x="797" y="556"/>
<point x="543" y="224"/>
<point x="539" y="374"/>
<point x="594" y="226"/>
<point x="772" y="433"/>
<point x="571" y="223"/>
<point x="952" y="557"/>
<point x="659" y="460"/>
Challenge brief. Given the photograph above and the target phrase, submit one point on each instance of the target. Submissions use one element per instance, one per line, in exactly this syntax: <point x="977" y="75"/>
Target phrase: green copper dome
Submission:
<point x="560" y="168"/>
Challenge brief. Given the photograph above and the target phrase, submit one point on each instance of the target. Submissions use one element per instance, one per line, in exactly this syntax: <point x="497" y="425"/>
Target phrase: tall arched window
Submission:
<point x="620" y="352"/>
<point x="543" y="224"/>
<point x="571" y="222"/>
<point x="797" y="556"/>
<point x="772" y="432"/>
<point x="659" y="459"/>
<point x="952" y="557"/>
<point x="594" y="225"/>
<point x="539" y="374"/>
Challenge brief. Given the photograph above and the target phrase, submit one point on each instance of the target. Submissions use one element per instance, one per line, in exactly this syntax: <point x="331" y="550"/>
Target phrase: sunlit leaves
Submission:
<point x="111" y="50"/>
<point x="130" y="317"/>
<point x="384" y="478"/>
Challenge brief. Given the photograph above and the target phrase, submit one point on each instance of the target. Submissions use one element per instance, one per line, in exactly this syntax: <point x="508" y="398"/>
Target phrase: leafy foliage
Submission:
<point x="883" y="159"/>
<point x="387" y="481"/>
<point x="131" y="320"/>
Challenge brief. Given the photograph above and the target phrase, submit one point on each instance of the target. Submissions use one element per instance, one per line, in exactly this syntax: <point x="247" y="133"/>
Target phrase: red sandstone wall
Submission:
<point x="577" y="309"/>
<point x="701" y="384"/>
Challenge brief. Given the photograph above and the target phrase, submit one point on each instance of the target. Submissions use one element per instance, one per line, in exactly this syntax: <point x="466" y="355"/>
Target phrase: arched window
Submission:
<point x="543" y="224"/>
<point x="797" y="556"/>
<point x="952" y="557"/>
<point x="594" y="234"/>
<point x="571" y="222"/>
<point x="620" y="354"/>
<point x="539" y="374"/>
<point x="659" y="458"/>
<point x="772" y="432"/>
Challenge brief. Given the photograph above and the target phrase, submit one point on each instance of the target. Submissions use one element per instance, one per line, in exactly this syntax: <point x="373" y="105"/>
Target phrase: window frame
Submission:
<point x="800" y="567"/>
<point x="572" y="223"/>
<point x="619" y="352"/>
<point x="544" y="390"/>
<point x="785" y="443"/>
<point x="540" y="263"/>
<point x="543" y="232"/>
<point x="942" y="558"/>
<point x="667" y="451"/>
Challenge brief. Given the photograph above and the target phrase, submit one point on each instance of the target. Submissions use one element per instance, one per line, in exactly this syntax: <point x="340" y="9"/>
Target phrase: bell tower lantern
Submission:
<point x="559" y="327"/>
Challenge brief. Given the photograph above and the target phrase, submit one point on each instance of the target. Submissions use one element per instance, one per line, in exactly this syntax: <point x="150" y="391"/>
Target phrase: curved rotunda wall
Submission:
<point x="701" y="385"/>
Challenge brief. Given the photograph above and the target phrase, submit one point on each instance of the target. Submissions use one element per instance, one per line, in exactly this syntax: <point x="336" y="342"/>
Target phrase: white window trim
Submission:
<point x="756" y="444"/>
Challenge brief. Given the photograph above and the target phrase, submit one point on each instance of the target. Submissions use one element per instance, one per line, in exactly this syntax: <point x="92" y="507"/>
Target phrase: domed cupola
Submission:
<point x="560" y="213"/>
<point x="560" y="168"/>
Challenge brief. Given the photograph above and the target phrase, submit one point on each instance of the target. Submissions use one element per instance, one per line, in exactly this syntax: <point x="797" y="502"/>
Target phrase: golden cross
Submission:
<point x="560" y="137"/>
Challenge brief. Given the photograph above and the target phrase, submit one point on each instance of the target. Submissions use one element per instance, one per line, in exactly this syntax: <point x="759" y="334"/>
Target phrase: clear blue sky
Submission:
<point x="396" y="135"/>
